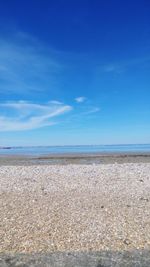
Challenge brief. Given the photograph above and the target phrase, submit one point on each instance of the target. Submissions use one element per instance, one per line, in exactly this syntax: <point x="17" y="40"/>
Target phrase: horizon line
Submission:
<point x="30" y="146"/>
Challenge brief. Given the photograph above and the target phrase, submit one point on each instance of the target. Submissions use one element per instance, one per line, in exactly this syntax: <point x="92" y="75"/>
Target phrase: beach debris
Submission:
<point x="145" y="199"/>
<point x="127" y="242"/>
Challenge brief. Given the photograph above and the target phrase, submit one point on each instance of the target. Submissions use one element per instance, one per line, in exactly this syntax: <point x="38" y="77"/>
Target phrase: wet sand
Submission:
<point x="76" y="158"/>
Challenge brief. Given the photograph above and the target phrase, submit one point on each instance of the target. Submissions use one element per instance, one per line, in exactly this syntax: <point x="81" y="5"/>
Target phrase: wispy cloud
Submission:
<point x="80" y="99"/>
<point x="92" y="110"/>
<point x="27" y="66"/>
<point x="119" y="67"/>
<point x="113" y="68"/>
<point x="23" y="115"/>
<point x="55" y="102"/>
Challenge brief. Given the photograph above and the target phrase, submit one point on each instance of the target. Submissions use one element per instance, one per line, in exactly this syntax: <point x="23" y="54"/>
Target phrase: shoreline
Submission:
<point x="75" y="158"/>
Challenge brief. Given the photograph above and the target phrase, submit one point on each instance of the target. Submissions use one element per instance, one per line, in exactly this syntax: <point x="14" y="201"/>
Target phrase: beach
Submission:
<point x="96" y="206"/>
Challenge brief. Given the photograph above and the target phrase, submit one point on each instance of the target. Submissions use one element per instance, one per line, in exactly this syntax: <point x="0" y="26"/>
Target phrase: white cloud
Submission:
<point x="55" y="102"/>
<point x="80" y="99"/>
<point x="23" y="115"/>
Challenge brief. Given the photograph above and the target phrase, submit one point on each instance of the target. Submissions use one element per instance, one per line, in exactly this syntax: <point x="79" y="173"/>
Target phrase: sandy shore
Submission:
<point x="97" y="207"/>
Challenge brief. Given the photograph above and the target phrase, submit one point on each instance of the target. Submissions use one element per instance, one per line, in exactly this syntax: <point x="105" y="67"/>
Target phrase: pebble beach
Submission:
<point x="95" y="207"/>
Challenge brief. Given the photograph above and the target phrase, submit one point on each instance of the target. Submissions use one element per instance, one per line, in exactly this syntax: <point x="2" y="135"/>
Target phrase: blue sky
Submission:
<point x="74" y="72"/>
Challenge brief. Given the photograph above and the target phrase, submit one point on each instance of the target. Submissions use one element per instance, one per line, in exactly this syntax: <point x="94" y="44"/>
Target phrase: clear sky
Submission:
<point x="74" y="72"/>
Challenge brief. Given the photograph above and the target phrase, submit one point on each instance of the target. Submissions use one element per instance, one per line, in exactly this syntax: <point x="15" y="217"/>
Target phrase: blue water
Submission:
<point x="45" y="150"/>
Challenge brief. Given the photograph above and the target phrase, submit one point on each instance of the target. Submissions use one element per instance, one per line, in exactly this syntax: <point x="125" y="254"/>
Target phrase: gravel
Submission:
<point x="75" y="208"/>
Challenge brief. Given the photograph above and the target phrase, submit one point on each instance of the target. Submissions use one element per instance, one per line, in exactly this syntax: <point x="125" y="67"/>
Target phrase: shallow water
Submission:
<point x="45" y="150"/>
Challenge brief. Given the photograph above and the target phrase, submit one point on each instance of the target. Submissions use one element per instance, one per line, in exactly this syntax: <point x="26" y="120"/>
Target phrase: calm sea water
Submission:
<point x="44" y="150"/>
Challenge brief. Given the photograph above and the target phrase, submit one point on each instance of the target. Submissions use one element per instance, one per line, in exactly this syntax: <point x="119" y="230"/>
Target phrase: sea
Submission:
<point x="47" y="150"/>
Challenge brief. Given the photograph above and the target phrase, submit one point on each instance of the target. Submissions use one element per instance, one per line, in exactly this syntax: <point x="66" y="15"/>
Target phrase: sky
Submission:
<point x="74" y="72"/>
